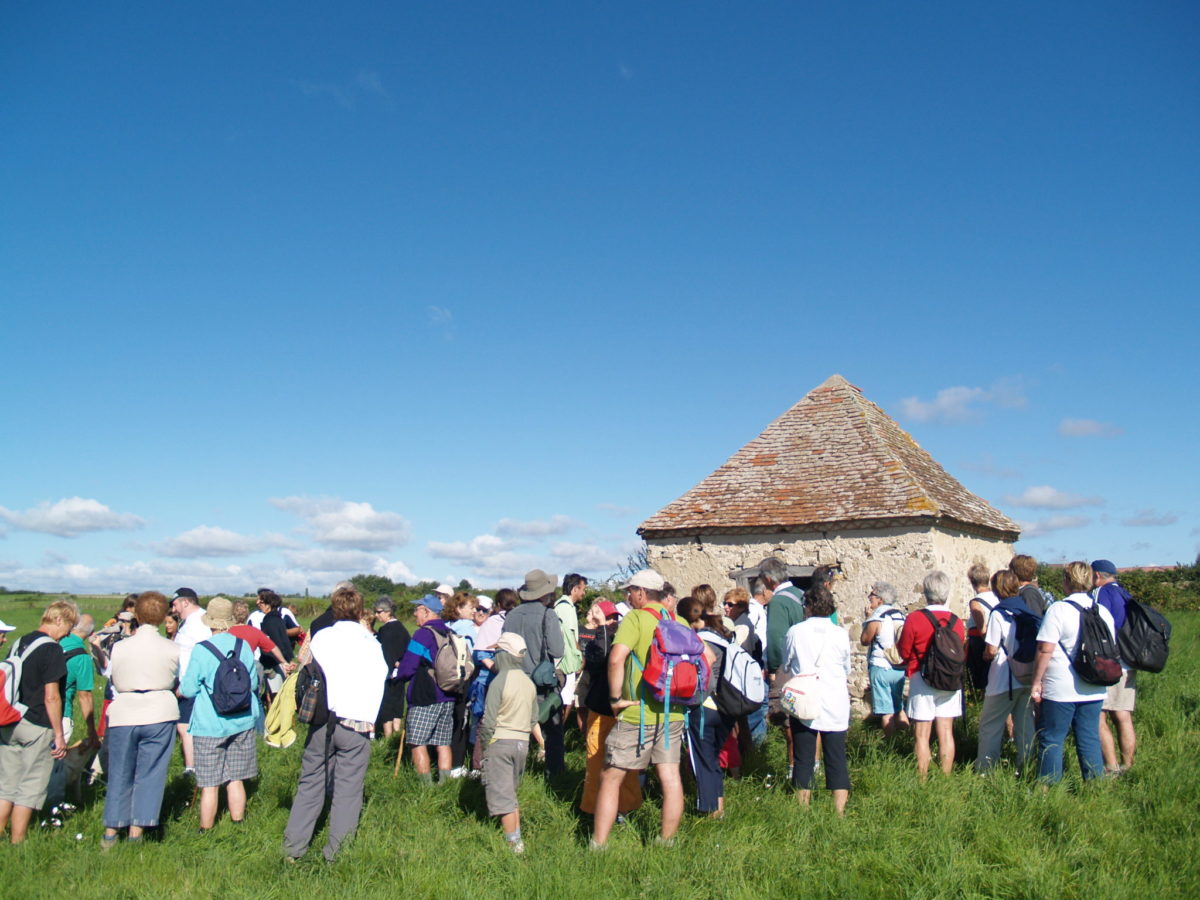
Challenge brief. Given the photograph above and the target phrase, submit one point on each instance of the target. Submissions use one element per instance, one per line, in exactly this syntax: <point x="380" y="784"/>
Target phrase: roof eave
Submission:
<point x="987" y="531"/>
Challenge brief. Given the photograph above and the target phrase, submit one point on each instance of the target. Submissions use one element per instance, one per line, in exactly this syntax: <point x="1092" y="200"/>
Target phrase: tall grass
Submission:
<point x="956" y="836"/>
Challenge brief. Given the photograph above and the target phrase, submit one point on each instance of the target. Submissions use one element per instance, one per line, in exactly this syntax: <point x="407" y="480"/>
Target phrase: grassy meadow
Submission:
<point x="956" y="836"/>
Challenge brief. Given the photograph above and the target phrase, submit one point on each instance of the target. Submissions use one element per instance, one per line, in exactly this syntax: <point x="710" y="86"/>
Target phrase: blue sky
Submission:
<point x="294" y="291"/>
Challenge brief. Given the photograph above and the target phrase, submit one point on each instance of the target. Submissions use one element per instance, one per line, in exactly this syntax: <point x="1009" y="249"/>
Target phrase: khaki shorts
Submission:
<point x="503" y="765"/>
<point x="621" y="748"/>
<point x="25" y="763"/>
<point x="1122" y="696"/>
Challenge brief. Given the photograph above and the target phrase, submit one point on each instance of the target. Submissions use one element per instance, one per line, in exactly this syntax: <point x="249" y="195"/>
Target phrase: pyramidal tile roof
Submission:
<point x="835" y="458"/>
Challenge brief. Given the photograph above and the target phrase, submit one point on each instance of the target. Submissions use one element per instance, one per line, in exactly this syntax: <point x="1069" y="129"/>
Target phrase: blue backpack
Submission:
<point x="230" y="690"/>
<point x="1021" y="657"/>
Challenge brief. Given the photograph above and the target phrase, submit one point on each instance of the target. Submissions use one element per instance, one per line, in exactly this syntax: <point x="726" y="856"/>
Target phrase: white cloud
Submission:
<point x="1053" y="523"/>
<point x="443" y="319"/>
<point x="957" y="405"/>
<point x="616" y="510"/>
<point x="1148" y="518"/>
<point x="1088" y="428"/>
<point x="556" y="524"/>
<point x="70" y="517"/>
<point x="1046" y="497"/>
<point x="206" y="540"/>
<point x="589" y="558"/>
<point x="347" y="524"/>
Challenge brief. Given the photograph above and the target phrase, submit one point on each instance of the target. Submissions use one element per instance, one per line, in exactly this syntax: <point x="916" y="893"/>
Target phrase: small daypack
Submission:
<point x="893" y="619"/>
<point x="452" y="666"/>
<point x="800" y="696"/>
<point x="676" y="670"/>
<point x="1023" y="655"/>
<point x="312" y="695"/>
<point x="1096" y="656"/>
<point x="740" y="688"/>
<point x="230" y="689"/>
<point x="945" y="657"/>
<point x="1144" y="637"/>
<point x="12" y="710"/>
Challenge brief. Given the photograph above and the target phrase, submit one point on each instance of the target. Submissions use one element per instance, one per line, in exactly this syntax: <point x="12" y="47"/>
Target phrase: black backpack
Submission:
<point x="945" y="658"/>
<point x="230" y="689"/>
<point x="312" y="696"/>
<point x="1144" y="637"/>
<point x="1095" y="660"/>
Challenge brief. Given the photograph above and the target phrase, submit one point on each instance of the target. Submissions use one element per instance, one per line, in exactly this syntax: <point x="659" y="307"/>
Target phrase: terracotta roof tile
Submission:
<point x="834" y="457"/>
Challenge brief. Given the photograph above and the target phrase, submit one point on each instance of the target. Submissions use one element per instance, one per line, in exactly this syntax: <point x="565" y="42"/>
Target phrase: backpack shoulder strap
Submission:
<point x="933" y="620"/>
<point x="29" y="648"/>
<point x="212" y="648"/>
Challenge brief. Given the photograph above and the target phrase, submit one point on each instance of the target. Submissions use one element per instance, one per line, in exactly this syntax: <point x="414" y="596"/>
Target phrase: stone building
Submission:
<point x="833" y="481"/>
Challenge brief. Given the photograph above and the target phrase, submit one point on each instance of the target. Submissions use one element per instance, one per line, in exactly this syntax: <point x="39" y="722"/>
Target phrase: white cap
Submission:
<point x="4" y="626"/>
<point x="648" y="579"/>
<point x="484" y="602"/>
<point x="444" y="589"/>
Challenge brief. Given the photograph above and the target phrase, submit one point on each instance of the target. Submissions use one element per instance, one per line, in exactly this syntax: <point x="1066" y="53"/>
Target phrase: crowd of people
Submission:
<point x="651" y="681"/>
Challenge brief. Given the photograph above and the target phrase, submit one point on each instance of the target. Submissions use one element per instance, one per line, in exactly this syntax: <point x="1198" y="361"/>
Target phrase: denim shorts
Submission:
<point x="887" y="690"/>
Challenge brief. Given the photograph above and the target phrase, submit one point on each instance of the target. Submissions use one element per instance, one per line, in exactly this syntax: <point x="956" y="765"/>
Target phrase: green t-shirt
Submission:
<point x="80" y="673"/>
<point x="636" y="632"/>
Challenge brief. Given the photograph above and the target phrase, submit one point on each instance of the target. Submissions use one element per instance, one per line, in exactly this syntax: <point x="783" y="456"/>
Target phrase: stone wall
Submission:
<point x="902" y="556"/>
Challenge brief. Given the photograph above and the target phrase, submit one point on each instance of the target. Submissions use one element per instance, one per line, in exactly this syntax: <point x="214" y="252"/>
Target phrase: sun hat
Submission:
<point x="444" y="589"/>
<point x="484" y="602"/>
<point x="511" y="642"/>
<point x="4" y="626"/>
<point x="648" y="579"/>
<point x="219" y="615"/>
<point x="537" y="585"/>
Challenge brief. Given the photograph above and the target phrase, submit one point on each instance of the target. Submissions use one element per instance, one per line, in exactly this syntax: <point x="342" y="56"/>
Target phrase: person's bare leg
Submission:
<point x="19" y="823"/>
<point x="1108" y="747"/>
<point x="945" y="739"/>
<point x="135" y="831"/>
<point x="921" y="732"/>
<point x="185" y="744"/>
<point x="510" y="822"/>
<point x="672" y="805"/>
<point x="607" y="797"/>
<point x="803" y="797"/>
<point x="445" y="758"/>
<point x="235" y="797"/>
<point x="208" y="806"/>
<point x="6" y="808"/>
<point x="840" y="796"/>
<point x="888" y="721"/>
<point x="420" y="758"/>
<point x="1126" y="735"/>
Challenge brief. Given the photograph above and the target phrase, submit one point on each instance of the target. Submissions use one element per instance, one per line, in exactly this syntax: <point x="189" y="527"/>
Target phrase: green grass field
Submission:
<point x="956" y="836"/>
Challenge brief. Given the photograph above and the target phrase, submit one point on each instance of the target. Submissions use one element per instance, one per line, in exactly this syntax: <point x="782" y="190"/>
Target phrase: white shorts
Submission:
<point x="568" y="688"/>
<point x="925" y="704"/>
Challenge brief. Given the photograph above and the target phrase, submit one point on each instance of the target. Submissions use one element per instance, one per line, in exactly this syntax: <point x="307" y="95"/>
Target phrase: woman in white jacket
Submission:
<point x="818" y="646"/>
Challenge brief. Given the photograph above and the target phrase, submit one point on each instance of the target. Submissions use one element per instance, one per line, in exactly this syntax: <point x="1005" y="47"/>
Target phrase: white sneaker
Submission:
<point x="517" y="847"/>
<point x="459" y="772"/>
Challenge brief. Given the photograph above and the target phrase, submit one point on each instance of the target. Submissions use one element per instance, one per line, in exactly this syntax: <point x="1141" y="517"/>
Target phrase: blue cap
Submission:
<point x="432" y="602"/>
<point x="1104" y="565"/>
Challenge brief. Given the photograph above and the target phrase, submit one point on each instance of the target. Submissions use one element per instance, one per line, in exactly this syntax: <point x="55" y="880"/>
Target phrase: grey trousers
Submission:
<point x="349" y="753"/>
<point x="996" y="709"/>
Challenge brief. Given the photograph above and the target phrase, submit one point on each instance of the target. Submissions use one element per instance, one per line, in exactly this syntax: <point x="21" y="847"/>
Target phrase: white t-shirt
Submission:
<point x="191" y="632"/>
<point x="289" y="618"/>
<point x="1061" y="628"/>
<point x="818" y="638"/>
<point x="890" y="620"/>
<point x="355" y="670"/>
<point x="1001" y="633"/>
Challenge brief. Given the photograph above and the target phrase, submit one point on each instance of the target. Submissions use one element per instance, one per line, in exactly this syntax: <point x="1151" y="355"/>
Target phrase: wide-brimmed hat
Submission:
<point x="511" y="642"/>
<point x="648" y="579"/>
<point x="219" y="614"/>
<point x="537" y="585"/>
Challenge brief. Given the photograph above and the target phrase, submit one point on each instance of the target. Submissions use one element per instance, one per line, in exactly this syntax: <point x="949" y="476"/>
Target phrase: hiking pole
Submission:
<point x="400" y="749"/>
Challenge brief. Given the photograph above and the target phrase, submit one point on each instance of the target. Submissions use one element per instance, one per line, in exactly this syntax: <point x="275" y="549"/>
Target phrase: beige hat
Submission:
<point x="219" y="615"/>
<point x="511" y="642"/>
<point x="537" y="585"/>
<point x="647" y="578"/>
